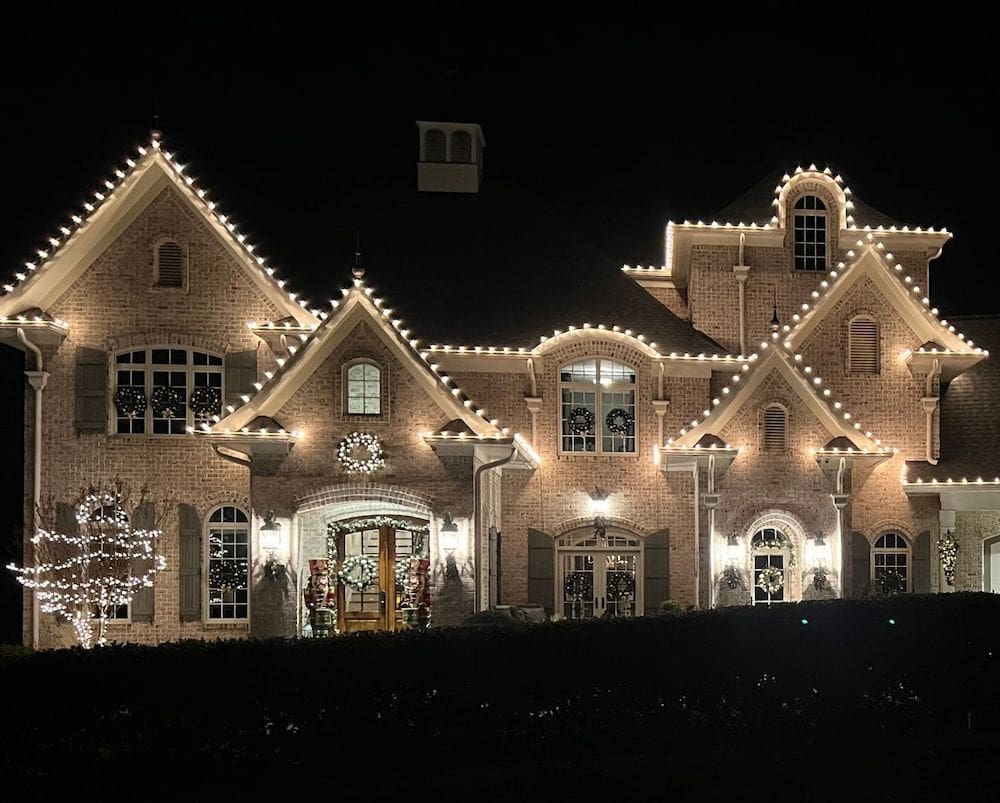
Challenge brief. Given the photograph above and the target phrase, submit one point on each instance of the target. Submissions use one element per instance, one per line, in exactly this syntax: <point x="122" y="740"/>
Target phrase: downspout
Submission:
<point x="740" y="270"/>
<point x="697" y="540"/>
<point x="37" y="379"/>
<point x="477" y="528"/>
<point x="711" y="530"/>
<point x="930" y="404"/>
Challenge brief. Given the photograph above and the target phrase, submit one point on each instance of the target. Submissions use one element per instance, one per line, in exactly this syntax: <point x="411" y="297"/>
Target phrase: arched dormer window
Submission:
<point x="461" y="146"/>
<point x="891" y="564"/>
<point x="774" y="428"/>
<point x="810" y="222"/>
<point x="862" y="345"/>
<point x="169" y="264"/>
<point x="363" y="388"/>
<point x="597" y="407"/>
<point x="434" y="145"/>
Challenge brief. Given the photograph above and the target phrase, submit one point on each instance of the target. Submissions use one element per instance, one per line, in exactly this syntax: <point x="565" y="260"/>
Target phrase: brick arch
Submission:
<point x="584" y="522"/>
<point x="790" y="524"/>
<point x="582" y="344"/>
<point x="369" y="492"/>
<point x="148" y="338"/>
<point x="817" y="184"/>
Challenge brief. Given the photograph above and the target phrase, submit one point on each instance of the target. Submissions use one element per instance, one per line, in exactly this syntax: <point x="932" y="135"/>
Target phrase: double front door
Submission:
<point x="599" y="584"/>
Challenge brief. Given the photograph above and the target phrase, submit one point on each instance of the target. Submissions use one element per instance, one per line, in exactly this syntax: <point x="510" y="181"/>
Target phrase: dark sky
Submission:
<point x="291" y="118"/>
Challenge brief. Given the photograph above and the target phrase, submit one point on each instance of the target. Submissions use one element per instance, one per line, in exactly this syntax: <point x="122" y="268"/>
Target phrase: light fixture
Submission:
<point x="820" y="539"/>
<point x="270" y="542"/>
<point x="599" y="510"/>
<point x="448" y="534"/>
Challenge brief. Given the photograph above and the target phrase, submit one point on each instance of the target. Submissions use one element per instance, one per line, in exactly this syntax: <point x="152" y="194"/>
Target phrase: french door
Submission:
<point x="598" y="583"/>
<point x="769" y="577"/>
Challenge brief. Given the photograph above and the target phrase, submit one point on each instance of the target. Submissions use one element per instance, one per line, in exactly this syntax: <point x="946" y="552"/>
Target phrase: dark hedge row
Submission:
<point x="840" y="678"/>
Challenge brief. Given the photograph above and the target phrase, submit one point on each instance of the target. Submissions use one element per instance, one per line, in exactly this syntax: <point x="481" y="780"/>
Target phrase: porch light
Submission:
<point x="448" y="534"/>
<point x="270" y="542"/>
<point x="599" y="510"/>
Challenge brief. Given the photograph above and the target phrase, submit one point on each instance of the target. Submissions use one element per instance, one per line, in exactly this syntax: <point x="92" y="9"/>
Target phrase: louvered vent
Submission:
<point x="169" y="265"/>
<point x="863" y="346"/>
<point x="775" y="425"/>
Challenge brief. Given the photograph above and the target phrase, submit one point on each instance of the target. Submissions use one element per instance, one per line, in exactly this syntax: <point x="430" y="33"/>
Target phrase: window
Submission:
<point x="163" y="391"/>
<point x="598" y="407"/>
<point x="890" y="564"/>
<point x="364" y="389"/>
<point x="461" y="146"/>
<point x="775" y="429"/>
<point x="810" y="233"/>
<point x="228" y="563"/>
<point x="862" y="346"/>
<point x="771" y="552"/>
<point x="109" y="521"/>
<point x="434" y="145"/>
<point x="168" y="265"/>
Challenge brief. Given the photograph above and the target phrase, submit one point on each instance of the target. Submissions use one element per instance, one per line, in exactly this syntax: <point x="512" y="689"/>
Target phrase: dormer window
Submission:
<point x="364" y="389"/>
<point x="169" y="264"/>
<point x="810" y="233"/>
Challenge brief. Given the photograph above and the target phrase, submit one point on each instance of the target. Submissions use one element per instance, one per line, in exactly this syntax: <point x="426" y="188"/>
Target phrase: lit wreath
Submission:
<point x="168" y="402"/>
<point x="131" y="402"/>
<point x="206" y="401"/>
<point x="358" y="571"/>
<point x="581" y="421"/>
<point x="619" y="421"/>
<point x="360" y="440"/>
<point x="771" y="580"/>
<point x="404" y="578"/>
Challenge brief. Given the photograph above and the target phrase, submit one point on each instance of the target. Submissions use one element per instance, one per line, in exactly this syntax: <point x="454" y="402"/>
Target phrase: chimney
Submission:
<point x="451" y="157"/>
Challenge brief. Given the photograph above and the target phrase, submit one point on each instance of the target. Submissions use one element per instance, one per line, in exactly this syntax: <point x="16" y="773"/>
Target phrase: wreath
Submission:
<point x="168" y="402"/>
<point x="890" y="582"/>
<point x="206" y="401"/>
<point x="581" y="421"/>
<point x="358" y="572"/>
<point x="360" y="441"/>
<point x="131" y="402"/>
<point x="770" y="580"/>
<point x="619" y="421"/>
<point x="579" y="585"/>
<point x="731" y="577"/>
<point x="403" y="571"/>
<point x="621" y="585"/>
<point x="820" y="582"/>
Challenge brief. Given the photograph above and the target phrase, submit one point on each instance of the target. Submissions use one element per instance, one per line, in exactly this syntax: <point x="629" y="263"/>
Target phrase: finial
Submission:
<point x="155" y="133"/>
<point x="358" y="270"/>
<point x="775" y="322"/>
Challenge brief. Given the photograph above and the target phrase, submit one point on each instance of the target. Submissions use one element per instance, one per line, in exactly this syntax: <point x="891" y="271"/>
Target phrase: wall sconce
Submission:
<point x="818" y="550"/>
<point x="733" y="547"/>
<point x="599" y="510"/>
<point x="448" y="534"/>
<point x="270" y="542"/>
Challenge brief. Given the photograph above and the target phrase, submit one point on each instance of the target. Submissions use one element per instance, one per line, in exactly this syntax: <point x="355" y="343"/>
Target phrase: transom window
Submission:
<point x="891" y="564"/>
<point x="163" y="391"/>
<point x="364" y="389"/>
<point x="810" y="231"/>
<point x="598" y="407"/>
<point x="228" y="563"/>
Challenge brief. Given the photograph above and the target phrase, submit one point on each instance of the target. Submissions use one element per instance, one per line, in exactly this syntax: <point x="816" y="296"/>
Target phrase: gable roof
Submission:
<point x="122" y="198"/>
<point x="774" y="358"/>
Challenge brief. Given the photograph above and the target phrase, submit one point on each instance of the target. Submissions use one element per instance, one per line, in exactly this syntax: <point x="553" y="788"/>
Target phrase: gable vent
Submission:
<point x="169" y="265"/>
<point x="775" y="427"/>
<point x="863" y="346"/>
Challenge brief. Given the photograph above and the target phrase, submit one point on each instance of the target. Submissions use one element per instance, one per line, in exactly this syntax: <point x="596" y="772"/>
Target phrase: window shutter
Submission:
<point x="65" y="522"/>
<point x="541" y="570"/>
<point x="775" y="424"/>
<point x="240" y="374"/>
<point x="189" y="530"/>
<point x="655" y="571"/>
<point x="863" y="346"/>
<point x="922" y="564"/>
<point x="142" y="602"/>
<point x="169" y="265"/>
<point x="91" y="388"/>
<point x="861" y="556"/>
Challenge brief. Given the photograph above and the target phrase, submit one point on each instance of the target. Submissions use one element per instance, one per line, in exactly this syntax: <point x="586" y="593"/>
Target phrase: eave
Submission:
<point x="949" y="363"/>
<point x="40" y="331"/>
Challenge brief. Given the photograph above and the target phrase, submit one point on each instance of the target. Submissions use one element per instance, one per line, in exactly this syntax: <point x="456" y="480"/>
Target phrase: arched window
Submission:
<point x="434" y="145"/>
<point x="774" y="435"/>
<point x="228" y="563"/>
<point x="364" y="389"/>
<point x="598" y="407"/>
<point x="461" y="146"/>
<point x="891" y="564"/>
<point x="168" y="264"/>
<point x="810" y="231"/>
<point x="772" y="555"/>
<point x="862" y="345"/>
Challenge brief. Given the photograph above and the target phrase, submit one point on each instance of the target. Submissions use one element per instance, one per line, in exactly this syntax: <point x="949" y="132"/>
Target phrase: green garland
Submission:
<point x="783" y="542"/>
<point x="948" y="553"/>
<point x="340" y="527"/>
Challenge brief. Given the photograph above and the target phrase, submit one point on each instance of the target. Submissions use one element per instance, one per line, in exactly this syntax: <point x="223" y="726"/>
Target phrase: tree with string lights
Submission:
<point x="87" y="571"/>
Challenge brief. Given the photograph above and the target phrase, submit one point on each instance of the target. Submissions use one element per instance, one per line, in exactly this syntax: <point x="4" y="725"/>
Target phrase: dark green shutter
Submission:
<point x="141" y="609"/>
<point x="241" y="373"/>
<point x="91" y="389"/>
<point x="65" y="522"/>
<point x="189" y="529"/>
<point x="655" y="571"/>
<point x="861" y="556"/>
<point x="922" y="564"/>
<point x="541" y="570"/>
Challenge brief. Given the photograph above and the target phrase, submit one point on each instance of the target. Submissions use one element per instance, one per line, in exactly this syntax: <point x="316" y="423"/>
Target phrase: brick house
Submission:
<point x="775" y="413"/>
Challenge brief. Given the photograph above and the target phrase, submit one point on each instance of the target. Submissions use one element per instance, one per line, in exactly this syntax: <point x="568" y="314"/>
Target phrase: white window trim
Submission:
<point x="786" y="568"/>
<point x="878" y="345"/>
<point x="763" y="419"/>
<point x="572" y="544"/>
<point x="825" y="213"/>
<point x="876" y="550"/>
<point x="597" y="389"/>
<point x="156" y="266"/>
<point x="383" y="413"/>
<point x="206" y="558"/>
<point x="149" y="368"/>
